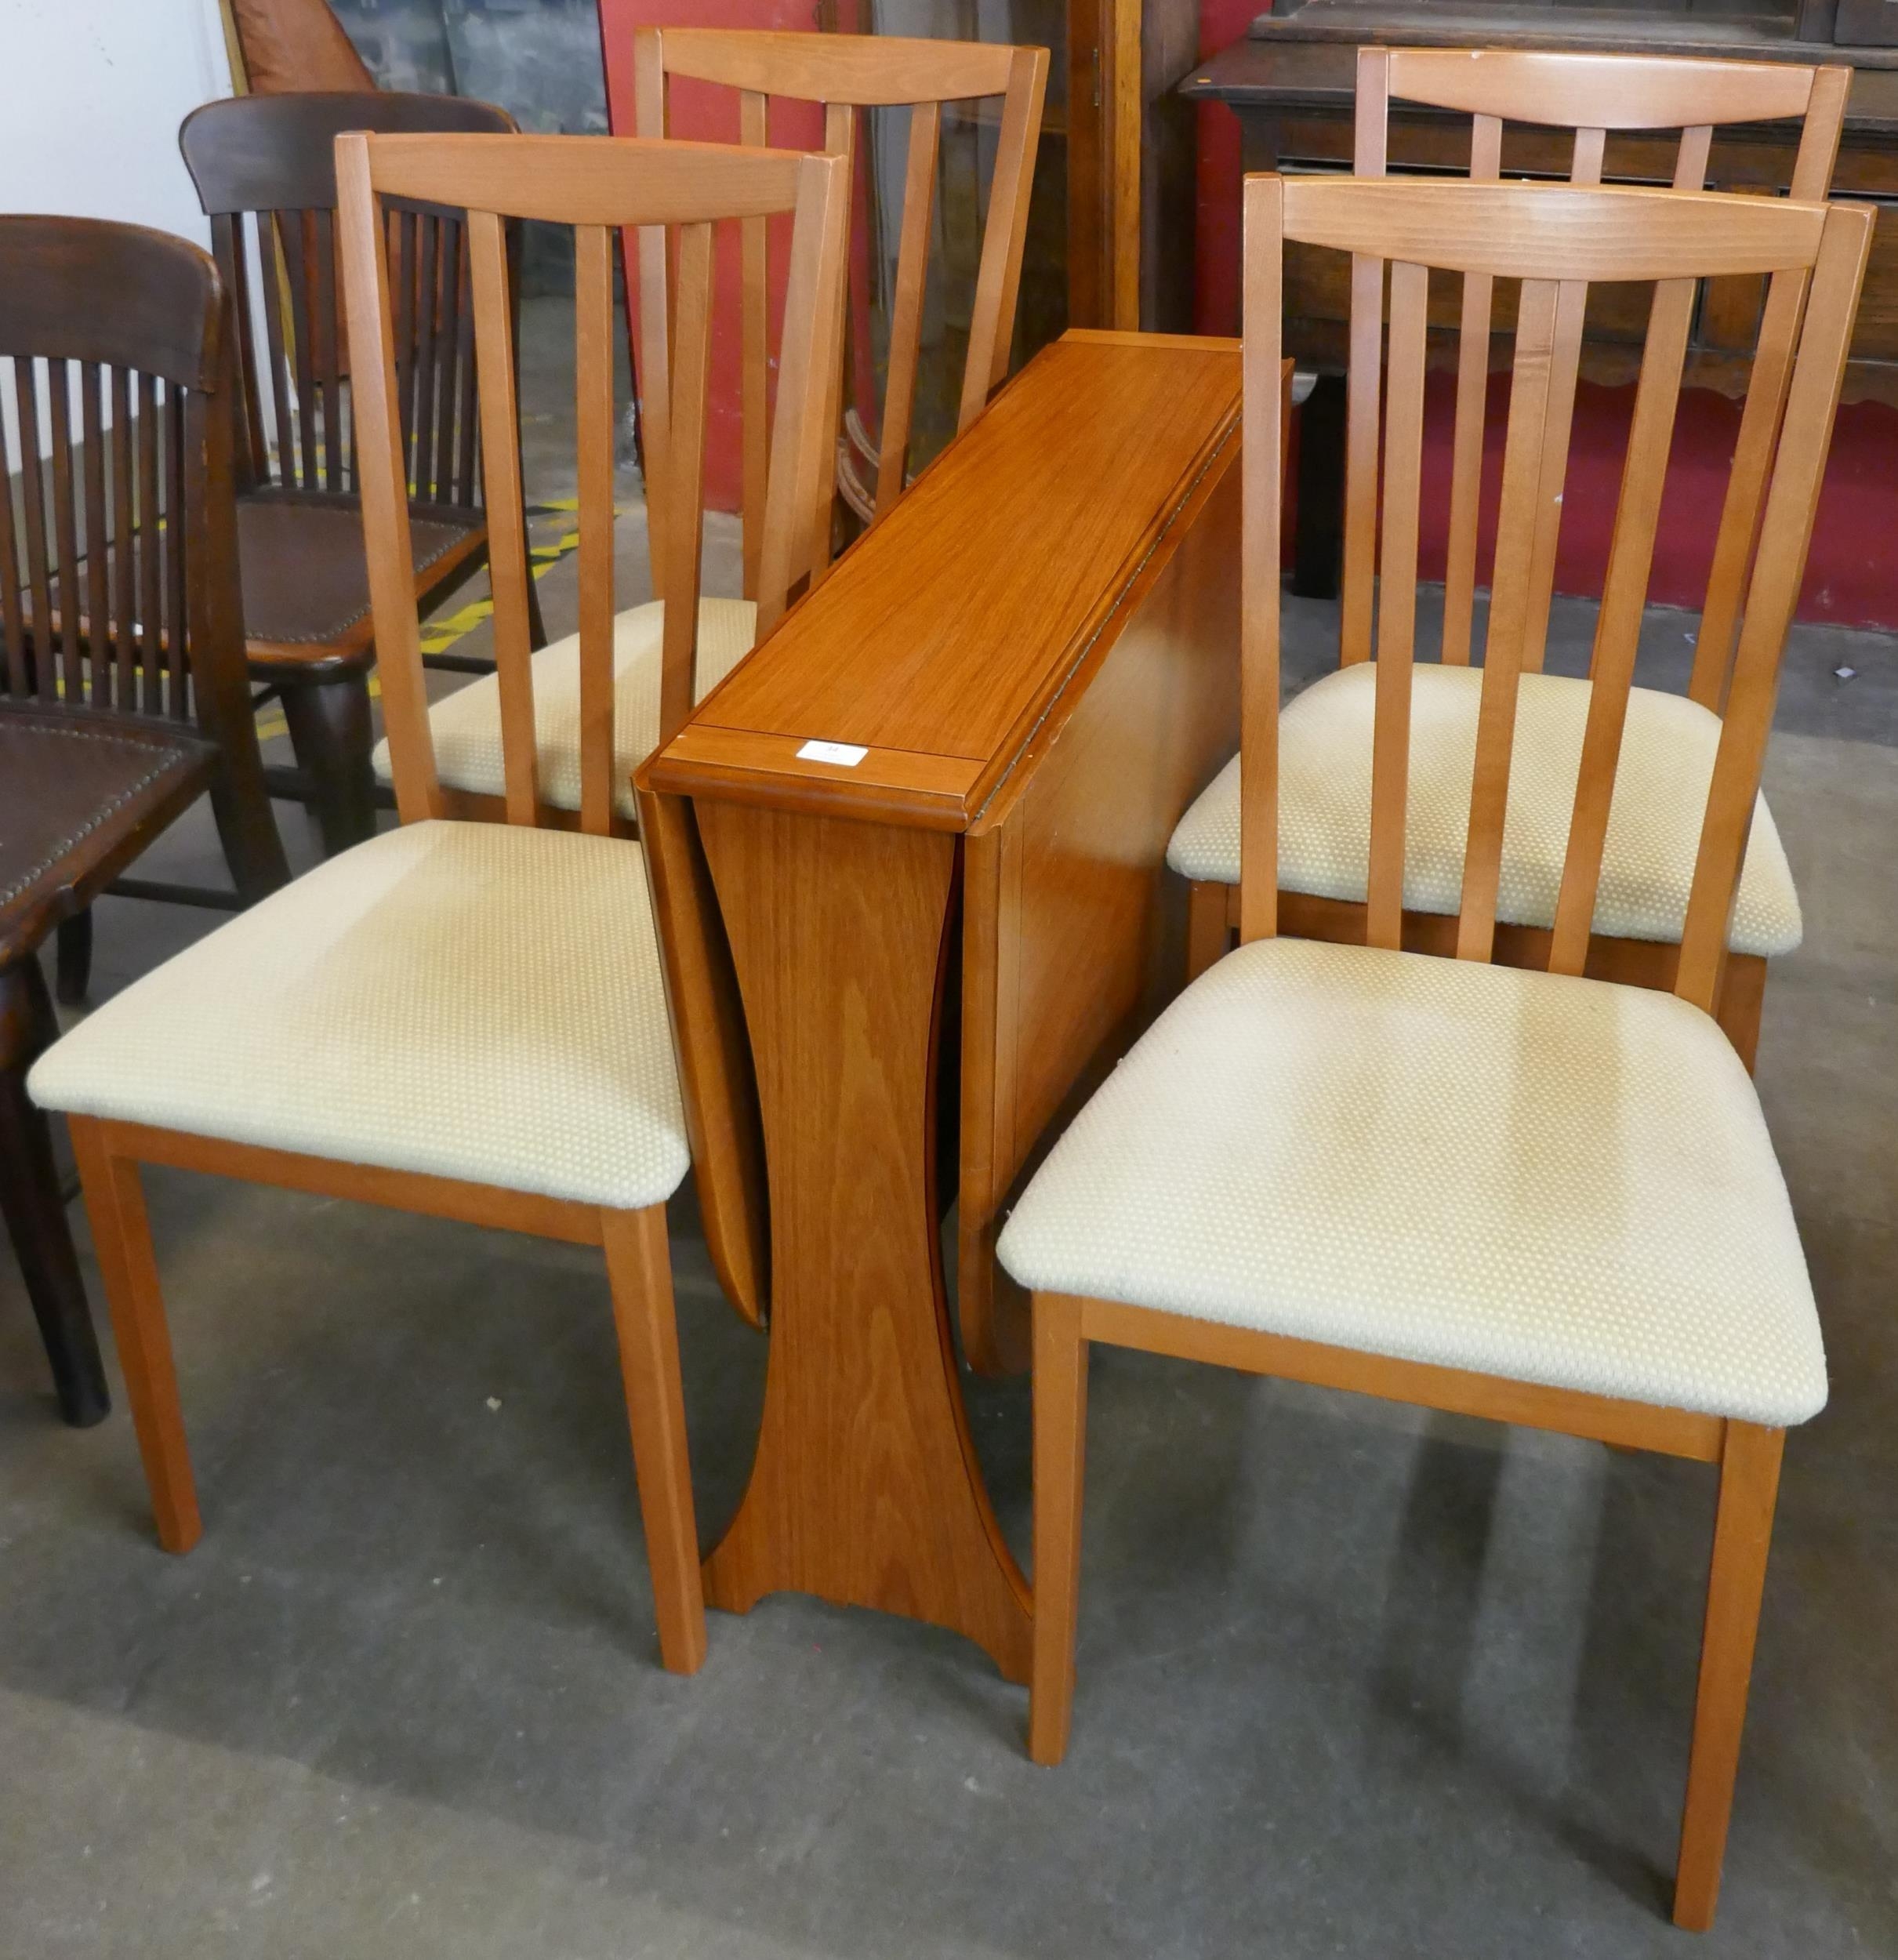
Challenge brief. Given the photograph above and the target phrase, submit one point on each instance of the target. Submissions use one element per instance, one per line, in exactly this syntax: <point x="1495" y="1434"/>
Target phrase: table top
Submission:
<point x="941" y="643"/>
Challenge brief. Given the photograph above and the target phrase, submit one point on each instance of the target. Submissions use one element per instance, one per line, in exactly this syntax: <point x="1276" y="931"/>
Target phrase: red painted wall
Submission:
<point x="705" y="114"/>
<point x="1215" y="230"/>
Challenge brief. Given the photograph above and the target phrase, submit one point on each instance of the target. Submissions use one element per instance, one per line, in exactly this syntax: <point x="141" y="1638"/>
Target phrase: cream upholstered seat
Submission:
<point x="466" y="724"/>
<point x="1550" y="1179"/>
<point x="1654" y="826"/>
<point x="475" y="1001"/>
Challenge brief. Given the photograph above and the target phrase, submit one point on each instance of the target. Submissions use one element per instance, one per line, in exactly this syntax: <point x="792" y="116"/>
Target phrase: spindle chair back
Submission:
<point x="848" y="73"/>
<point x="121" y="558"/>
<point x="264" y="171"/>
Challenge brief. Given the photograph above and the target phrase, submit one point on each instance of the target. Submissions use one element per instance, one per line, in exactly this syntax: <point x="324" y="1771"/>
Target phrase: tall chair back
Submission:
<point x="847" y="73"/>
<point x="1556" y="242"/>
<point x="1594" y="95"/>
<point x="118" y="570"/>
<point x="594" y="185"/>
<point x="264" y="166"/>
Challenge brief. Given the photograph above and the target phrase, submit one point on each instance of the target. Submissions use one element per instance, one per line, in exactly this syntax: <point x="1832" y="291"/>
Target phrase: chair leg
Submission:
<point x="1743" y="1532"/>
<point x="72" y="977"/>
<point x="34" y="1210"/>
<point x="121" y="1236"/>
<point x="1060" y="1447"/>
<point x="639" y="1266"/>
<point x="247" y="830"/>
<point x="1742" y="996"/>
<point x="1208" y="934"/>
<point x="330" y="731"/>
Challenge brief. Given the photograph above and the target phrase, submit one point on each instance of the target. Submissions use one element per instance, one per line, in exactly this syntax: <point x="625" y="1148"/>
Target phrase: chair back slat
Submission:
<point x="108" y="686"/>
<point x="231" y="247"/>
<point x="65" y="523"/>
<point x="1786" y="532"/>
<point x="506" y="515"/>
<point x="754" y="407"/>
<point x="847" y="73"/>
<point x="1592" y="95"/>
<point x="1585" y="169"/>
<point x="906" y="312"/>
<point x="1759" y="428"/>
<point x="839" y="140"/>
<point x="151" y="602"/>
<point x="998" y="279"/>
<point x="1555" y="242"/>
<point x="1397" y="602"/>
<point x="39" y="587"/>
<point x="170" y="537"/>
<point x="283" y="429"/>
<point x="1472" y="403"/>
<point x="14" y="672"/>
<point x="1617" y="631"/>
<point x="595" y="429"/>
<point x="598" y="187"/>
<point x="124" y="525"/>
<point x="1261" y="530"/>
<point x="685" y="490"/>
<point x="1366" y="379"/>
<point x="1534" y="382"/>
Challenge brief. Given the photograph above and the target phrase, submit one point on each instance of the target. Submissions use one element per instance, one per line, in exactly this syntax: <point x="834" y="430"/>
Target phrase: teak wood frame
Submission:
<point x="845" y="74"/>
<point x="595" y="184"/>
<point x="1593" y="94"/>
<point x="1555" y="241"/>
<point x="1029" y="743"/>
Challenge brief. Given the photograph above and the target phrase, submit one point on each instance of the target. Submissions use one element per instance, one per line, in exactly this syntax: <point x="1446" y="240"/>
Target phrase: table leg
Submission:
<point x="865" y="1489"/>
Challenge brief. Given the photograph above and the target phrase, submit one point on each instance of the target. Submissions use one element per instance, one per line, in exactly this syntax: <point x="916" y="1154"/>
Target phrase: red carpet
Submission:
<point x="1852" y="575"/>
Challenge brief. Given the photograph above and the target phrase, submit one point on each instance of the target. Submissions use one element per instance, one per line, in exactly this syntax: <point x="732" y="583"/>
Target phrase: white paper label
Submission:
<point x="846" y="755"/>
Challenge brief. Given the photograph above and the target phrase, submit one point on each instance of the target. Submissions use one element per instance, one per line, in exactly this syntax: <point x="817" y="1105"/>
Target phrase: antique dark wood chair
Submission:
<point x="123" y="696"/>
<point x="265" y="170"/>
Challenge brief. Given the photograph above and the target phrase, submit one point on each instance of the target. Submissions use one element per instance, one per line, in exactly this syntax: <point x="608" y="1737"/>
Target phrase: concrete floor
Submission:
<point x="1353" y="1680"/>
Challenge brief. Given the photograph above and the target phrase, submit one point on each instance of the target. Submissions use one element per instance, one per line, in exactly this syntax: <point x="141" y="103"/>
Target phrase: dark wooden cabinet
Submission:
<point x="1294" y="100"/>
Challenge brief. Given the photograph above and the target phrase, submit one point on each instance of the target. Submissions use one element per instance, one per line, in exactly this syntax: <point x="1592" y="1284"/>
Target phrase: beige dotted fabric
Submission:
<point x="1653" y="827"/>
<point x="471" y="1000"/>
<point x="1547" y="1179"/>
<point x="466" y="724"/>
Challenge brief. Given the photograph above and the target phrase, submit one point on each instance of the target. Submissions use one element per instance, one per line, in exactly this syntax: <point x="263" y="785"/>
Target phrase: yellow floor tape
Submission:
<point x="439" y="635"/>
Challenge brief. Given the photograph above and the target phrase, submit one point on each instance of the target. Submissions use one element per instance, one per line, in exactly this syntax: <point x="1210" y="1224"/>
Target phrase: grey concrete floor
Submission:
<point x="1352" y="1680"/>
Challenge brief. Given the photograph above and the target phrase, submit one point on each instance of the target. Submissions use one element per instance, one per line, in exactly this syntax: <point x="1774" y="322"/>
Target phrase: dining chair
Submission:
<point x="265" y="172"/>
<point x="122" y="692"/>
<point x="1640" y="904"/>
<point x="846" y="73"/>
<point x="1518" y="1194"/>
<point x="475" y="1012"/>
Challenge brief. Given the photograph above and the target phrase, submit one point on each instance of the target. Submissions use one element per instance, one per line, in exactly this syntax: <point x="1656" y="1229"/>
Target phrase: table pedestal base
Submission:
<point x="865" y="1489"/>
